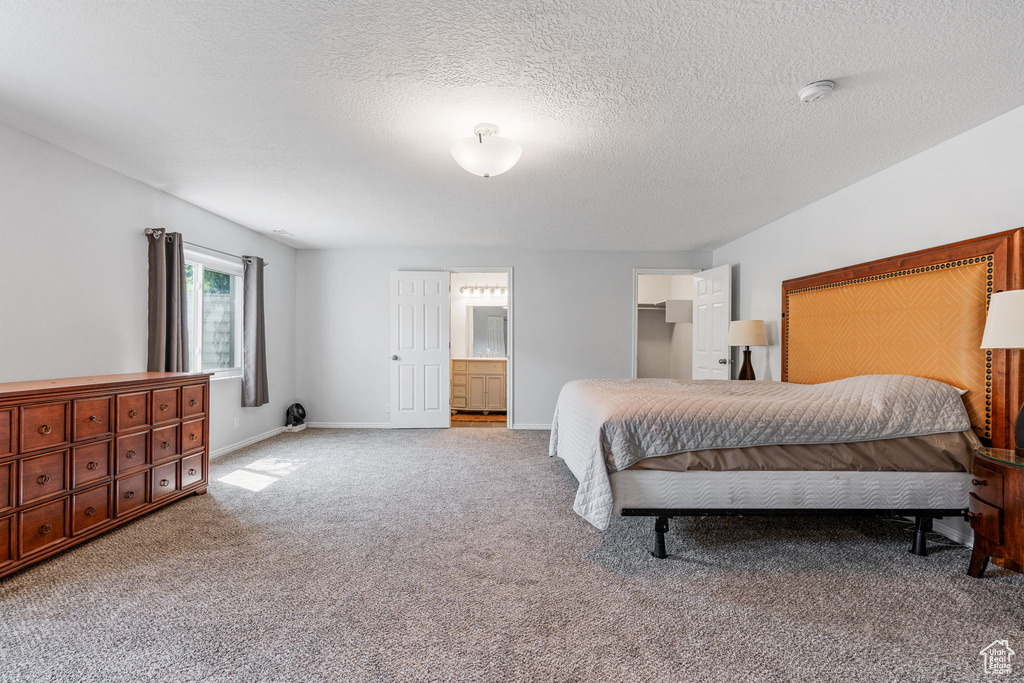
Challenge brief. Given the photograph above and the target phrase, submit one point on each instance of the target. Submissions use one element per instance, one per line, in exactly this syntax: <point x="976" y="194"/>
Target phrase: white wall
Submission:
<point x="73" y="277"/>
<point x="969" y="186"/>
<point x="572" y="319"/>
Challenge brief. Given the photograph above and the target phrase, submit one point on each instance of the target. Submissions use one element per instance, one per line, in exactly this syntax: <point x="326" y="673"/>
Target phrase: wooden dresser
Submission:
<point x="479" y="384"/>
<point x="997" y="510"/>
<point x="81" y="456"/>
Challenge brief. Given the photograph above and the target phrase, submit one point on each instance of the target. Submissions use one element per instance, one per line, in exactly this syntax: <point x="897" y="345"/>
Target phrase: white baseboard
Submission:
<point x="521" y="425"/>
<point x="350" y="425"/>
<point x="247" y="442"/>
<point x="961" y="536"/>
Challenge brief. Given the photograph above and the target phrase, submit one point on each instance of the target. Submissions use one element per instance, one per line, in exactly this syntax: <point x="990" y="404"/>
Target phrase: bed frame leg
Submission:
<point x="660" y="527"/>
<point x="922" y="525"/>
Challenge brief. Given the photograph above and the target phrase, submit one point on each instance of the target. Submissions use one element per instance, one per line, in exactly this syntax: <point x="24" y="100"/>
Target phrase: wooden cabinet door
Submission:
<point x="477" y="391"/>
<point x="495" y="394"/>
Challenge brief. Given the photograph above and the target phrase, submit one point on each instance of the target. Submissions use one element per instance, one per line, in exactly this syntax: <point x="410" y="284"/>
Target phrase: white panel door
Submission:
<point x="420" y="386"/>
<point x="712" y="311"/>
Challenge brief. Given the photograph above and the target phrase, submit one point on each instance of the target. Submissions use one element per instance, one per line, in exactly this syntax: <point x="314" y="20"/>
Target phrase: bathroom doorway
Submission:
<point x="481" y="348"/>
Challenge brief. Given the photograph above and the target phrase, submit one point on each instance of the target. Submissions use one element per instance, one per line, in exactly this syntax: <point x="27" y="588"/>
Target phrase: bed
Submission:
<point x="890" y="348"/>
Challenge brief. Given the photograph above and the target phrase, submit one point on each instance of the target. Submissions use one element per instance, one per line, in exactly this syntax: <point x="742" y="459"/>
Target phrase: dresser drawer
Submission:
<point x="988" y="483"/>
<point x="43" y="426"/>
<point x="90" y="463"/>
<point x="191" y="470"/>
<point x="131" y="451"/>
<point x="92" y="417"/>
<point x="165" y="443"/>
<point x="459" y="365"/>
<point x="90" y="508"/>
<point x="458" y="390"/>
<point x="193" y="435"/>
<point x="132" y="411"/>
<point x="130" y="493"/>
<point x="459" y="378"/>
<point x="7" y="441"/>
<point x="7" y="541"/>
<point x="42" y="475"/>
<point x="986" y="520"/>
<point x="42" y="526"/>
<point x="6" y="487"/>
<point x="164" y="481"/>
<point x="192" y="401"/>
<point x="165" y="405"/>
<point x="458" y="403"/>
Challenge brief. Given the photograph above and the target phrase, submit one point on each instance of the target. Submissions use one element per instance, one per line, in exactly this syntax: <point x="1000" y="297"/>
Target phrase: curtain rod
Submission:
<point x="150" y="231"/>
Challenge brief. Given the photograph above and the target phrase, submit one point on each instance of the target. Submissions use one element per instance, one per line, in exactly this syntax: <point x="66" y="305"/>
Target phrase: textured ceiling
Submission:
<point x="645" y="124"/>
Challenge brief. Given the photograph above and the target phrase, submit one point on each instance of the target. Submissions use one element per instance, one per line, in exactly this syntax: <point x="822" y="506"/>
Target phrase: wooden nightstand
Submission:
<point x="997" y="510"/>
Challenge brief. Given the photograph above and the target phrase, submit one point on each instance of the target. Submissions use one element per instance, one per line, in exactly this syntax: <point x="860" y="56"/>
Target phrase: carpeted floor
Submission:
<point x="455" y="555"/>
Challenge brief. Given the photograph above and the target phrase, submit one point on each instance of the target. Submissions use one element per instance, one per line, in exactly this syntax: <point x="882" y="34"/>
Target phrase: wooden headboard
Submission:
<point x="916" y="314"/>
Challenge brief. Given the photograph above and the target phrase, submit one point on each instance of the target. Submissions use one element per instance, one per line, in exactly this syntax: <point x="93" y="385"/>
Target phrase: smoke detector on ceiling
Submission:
<point x="812" y="92"/>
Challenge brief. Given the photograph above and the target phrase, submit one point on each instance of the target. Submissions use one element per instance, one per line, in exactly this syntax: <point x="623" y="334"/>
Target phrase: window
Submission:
<point x="213" y="287"/>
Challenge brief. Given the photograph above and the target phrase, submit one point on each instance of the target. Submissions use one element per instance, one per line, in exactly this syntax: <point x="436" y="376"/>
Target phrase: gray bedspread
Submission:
<point x="603" y="426"/>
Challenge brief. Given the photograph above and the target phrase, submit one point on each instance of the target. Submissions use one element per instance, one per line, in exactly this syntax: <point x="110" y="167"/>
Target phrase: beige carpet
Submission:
<point x="455" y="555"/>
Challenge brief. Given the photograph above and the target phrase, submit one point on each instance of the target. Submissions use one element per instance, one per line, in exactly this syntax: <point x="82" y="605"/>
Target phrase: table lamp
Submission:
<point x="747" y="333"/>
<point x="1004" y="329"/>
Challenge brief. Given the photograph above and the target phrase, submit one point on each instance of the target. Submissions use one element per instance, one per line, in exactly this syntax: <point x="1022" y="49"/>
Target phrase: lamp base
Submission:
<point x="747" y="369"/>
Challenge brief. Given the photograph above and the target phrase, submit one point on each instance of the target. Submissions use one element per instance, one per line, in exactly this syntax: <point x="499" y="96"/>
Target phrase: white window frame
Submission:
<point x="200" y="260"/>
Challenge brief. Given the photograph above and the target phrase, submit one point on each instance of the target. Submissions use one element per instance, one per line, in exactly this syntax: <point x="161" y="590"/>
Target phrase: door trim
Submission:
<point x="510" y="351"/>
<point x="637" y="272"/>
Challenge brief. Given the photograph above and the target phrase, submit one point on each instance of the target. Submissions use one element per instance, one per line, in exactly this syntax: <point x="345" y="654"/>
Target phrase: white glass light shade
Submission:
<point x="1004" y="327"/>
<point x="747" y="333"/>
<point x="485" y="154"/>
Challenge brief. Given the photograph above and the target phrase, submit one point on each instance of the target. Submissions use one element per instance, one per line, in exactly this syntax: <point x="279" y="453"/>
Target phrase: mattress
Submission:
<point x="646" y="488"/>
<point x="953" y="452"/>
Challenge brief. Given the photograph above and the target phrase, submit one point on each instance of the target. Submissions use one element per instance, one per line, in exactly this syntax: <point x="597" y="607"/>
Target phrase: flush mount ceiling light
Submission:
<point x="485" y="154"/>
<point x="812" y="92"/>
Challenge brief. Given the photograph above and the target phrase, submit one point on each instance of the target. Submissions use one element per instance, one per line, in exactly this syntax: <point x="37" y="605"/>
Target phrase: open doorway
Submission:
<point x="663" y="323"/>
<point x="481" y="347"/>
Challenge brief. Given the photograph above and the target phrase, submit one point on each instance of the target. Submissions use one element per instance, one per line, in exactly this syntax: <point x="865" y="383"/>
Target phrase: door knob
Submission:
<point x="723" y="361"/>
<point x="394" y="357"/>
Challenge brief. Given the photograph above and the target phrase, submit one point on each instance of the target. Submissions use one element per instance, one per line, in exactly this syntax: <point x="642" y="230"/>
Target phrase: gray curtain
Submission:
<point x="254" y="338"/>
<point x="168" y="307"/>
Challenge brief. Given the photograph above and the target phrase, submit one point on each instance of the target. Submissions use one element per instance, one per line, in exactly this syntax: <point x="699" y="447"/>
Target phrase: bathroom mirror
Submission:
<point x="489" y="329"/>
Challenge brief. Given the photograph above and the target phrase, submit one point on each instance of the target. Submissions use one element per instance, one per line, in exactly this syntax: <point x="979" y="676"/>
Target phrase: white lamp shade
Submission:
<point x="1004" y="327"/>
<point x="486" y="155"/>
<point x="747" y="333"/>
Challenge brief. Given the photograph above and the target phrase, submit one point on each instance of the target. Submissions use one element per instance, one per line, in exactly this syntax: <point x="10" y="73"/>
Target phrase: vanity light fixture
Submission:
<point x="485" y="154"/>
<point x="476" y="290"/>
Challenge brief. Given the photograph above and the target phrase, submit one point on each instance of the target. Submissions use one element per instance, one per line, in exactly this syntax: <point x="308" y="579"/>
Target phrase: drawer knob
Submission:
<point x="43" y="479"/>
<point x="164" y="482"/>
<point x="979" y="482"/>
<point x="165" y="445"/>
<point x="164" y="406"/>
<point x="45" y="429"/>
<point x="93" y="418"/>
<point x="45" y="529"/>
<point x="193" y="403"/>
<point x="130" y="455"/>
<point x="192" y="471"/>
<point x="129" y="495"/>
<point x="90" y="511"/>
<point x="193" y="437"/>
<point x="92" y="465"/>
<point x="133" y="414"/>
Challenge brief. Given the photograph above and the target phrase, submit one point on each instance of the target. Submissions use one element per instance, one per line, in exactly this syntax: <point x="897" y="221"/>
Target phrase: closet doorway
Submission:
<point x="481" y="348"/>
<point x="663" y="323"/>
